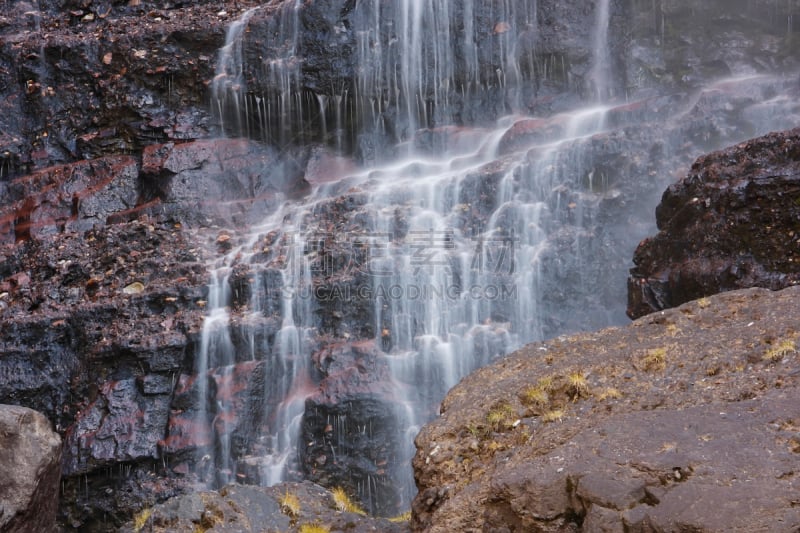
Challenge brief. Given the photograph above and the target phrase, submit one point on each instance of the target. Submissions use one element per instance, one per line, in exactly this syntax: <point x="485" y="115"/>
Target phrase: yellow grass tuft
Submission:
<point x="290" y="504"/>
<point x="141" y="519"/>
<point x="500" y="416"/>
<point x="655" y="360"/>
<point x="546" y="383"/>
<point x="314" y="528"/>
<point x="556" y="415"/>
<point x="536" y="396"/>
<point x="577" y="384"/>
<point x="399" y="519"/>
<point x="344" y="503"/>
<point x="780" y="350"/>
<point x="609" y="393"/>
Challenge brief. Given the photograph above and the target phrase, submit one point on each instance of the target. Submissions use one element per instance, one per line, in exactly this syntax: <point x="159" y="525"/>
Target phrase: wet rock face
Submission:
<point x="731" y="223"/>
<point x="74" y="197"/>
<point x="316" y="60"/>
<point x="30" y="459"/>
<point x="102" y="295"/>
<point x="638" y="428"/>
<point x="97" y="328"/>
<point x="89" y="79"/>
<point x="231" y="182"/>
<point x="350" y="433"/>
<point x="685" y="44"/>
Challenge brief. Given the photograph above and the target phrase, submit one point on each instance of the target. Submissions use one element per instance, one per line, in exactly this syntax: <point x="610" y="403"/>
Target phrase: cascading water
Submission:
<point x="402" y="78"/>
<point x="227" y="96"/>
<point x="600" y="73"/>
<point x="269" y="115"/>
<point x="366" y="301"/>
<point x="216" y="351"/>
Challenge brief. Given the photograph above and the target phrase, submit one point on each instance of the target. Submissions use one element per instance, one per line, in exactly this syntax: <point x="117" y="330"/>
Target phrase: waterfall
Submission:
<point x="267" y="115"/>
<point x="600" y="74"/>
<point x="413" y="60"/>
<point x="388" y="284"/>
<point x="216" y="351"/>
<point x="452" y="279"/>
<point x="228" y="87"/>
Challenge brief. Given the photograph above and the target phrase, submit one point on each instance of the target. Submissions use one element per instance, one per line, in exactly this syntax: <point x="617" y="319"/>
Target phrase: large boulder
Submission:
<point x="731" y="223"/>
<point x="684" y="420"/>
<point x="30" y="462"/>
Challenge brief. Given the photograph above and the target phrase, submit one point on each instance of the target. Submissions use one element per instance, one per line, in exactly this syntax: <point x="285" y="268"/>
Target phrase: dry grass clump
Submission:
<point x="577" y="385"/>
<point x="399" y="519"/>
<point x="609" y="393"/>
<point x="141" y="519"/>
<point x="555" y="415"/>
<point x="314" y="528"/>
<point x="535" y="396"/>
<point x="500" y="416"/>
<point x="290" y="504"/>
<point x="655" y="360"/>
<point x="344" y="503"/>
<point x="779" y="351"/>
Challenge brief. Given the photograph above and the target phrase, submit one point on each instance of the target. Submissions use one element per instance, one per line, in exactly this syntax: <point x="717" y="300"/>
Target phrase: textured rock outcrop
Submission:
<point x="284" y="508"/>
<point x="732" y="223"/>
<point x="686" y="419"/>
<point x="82" y="80"/>
<point x="30" y="462"/>
<point x="97" y="327"/>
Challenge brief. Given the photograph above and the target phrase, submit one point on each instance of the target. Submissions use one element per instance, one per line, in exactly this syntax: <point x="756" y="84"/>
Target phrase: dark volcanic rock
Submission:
<point x="733" y="222"/>
<point x="686" y="44"/>
<point x="350" y="426"/>
<point x="348" y="55"/>
<point x="30" y="462"/>
<point x="74" y="197"/>
<point x="96" y="328"/>
<point x="89" y="79"/>
<point x="684" y="420"/>
<point x="235" y="412"/>
<point x="122" y="424"/>
<point x="231" y="182"/>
